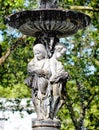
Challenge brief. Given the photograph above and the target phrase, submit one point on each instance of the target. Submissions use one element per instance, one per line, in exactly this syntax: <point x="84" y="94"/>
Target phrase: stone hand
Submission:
<point x="59" y="77"/>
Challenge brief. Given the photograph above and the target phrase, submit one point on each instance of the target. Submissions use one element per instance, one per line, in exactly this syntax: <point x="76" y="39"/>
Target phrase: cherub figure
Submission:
<point x="58" y="78"/>
<point x="39" y="71"/>
<point x="47" y="80"/>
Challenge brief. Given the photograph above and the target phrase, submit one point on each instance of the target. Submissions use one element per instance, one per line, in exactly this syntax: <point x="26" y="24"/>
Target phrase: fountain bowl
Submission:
<point x="53" y="21"/>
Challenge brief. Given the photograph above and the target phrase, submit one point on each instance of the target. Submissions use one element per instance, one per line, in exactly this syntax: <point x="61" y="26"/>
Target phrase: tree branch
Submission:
<point x="83" y="106"/>
<point x="71" y="111"/>
<point x="84" y="8"/>
<point x="3" y="58"/>
<point x="89" y="101"/>
<point x="83" y="109"/>
<point x="11" y="49"/>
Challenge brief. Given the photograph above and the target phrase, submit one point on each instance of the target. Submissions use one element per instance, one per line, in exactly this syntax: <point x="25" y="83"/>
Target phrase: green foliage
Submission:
<point x="18" y="105"/>
<point x="82" y="63"/>
<point x="14" y="72"/>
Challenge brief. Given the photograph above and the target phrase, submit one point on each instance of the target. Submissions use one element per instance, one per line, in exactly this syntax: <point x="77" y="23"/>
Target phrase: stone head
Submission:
<point x="39" y="51"/>
<point x="60" y="50"/>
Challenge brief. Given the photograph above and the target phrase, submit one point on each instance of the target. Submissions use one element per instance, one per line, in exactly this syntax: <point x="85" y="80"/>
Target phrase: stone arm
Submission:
<point x="35" y="70"/>
<point x="58" y="72"/>
<point x="59" y="78"/>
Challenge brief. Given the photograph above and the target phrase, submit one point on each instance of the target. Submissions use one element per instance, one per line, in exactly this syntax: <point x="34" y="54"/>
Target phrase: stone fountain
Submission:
<point x="47" y="76"/>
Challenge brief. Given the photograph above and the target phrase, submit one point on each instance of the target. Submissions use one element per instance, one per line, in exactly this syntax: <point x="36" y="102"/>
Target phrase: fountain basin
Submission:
<point x="54" y="21"/>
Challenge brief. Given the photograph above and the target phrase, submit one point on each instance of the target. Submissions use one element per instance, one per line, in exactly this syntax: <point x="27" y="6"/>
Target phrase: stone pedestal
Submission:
<point x="46" y="125"/>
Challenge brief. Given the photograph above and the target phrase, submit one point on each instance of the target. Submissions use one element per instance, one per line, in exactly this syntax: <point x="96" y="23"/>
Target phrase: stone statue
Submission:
<point x="47" y="80"/>
<point x="39" y="71"/>
<point x="58" y="78"/>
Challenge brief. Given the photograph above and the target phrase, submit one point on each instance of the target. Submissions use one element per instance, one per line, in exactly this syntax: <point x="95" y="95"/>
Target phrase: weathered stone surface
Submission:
<point x="47" y="80"/>
<point x="46" y="125"/>
<point x="48" y="3"/>
<point x="62" y="23"/>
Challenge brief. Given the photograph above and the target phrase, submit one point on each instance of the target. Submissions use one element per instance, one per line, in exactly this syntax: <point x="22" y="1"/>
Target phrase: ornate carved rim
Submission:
<point x="59" y="22"/>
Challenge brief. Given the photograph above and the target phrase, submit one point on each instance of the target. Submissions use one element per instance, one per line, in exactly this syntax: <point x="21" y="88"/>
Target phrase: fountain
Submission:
<point x="47" y="76"/>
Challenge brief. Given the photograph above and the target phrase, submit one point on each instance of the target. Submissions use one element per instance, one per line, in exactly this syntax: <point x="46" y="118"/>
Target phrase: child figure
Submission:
<point x="58" y="78"/>
<point x="39" y="70"/>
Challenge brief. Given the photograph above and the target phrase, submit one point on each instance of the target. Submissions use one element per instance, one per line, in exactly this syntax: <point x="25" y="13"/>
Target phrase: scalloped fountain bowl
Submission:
<point x="53" y="21"/>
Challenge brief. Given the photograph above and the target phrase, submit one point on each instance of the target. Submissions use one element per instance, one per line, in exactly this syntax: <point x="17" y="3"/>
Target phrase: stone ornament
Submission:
<point x="48" y="3"/>
<point x="47" y="80"/>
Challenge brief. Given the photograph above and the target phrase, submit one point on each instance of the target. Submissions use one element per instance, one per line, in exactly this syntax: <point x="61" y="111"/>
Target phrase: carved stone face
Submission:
<point x="39" y="52"/>
<point x="39" y="55"/>
<point x="63" y="51"/>
<point x="59" y="51"/>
